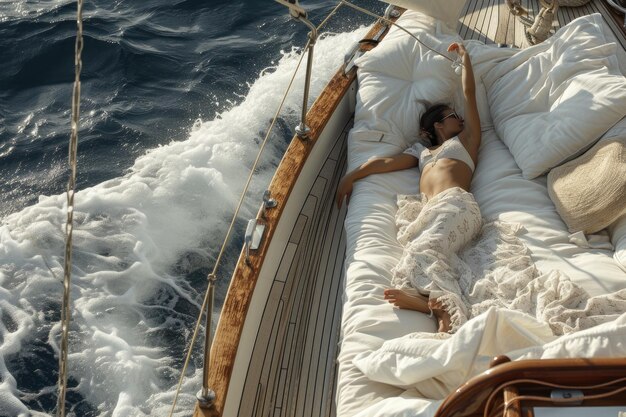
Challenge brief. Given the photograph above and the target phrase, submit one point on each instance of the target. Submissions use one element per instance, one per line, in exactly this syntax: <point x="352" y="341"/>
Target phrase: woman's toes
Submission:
<point x="391" y="294"/>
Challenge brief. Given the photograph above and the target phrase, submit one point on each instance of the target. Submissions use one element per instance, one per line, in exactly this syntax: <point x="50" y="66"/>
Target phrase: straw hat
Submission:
<point x="589" y="192"/>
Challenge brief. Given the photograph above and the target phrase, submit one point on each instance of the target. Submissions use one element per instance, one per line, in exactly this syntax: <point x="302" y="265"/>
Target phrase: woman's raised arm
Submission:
<point x="470" y="136"/>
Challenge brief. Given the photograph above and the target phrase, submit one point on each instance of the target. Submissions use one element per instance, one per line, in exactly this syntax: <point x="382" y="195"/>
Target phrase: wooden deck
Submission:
<point x="490" y="21"/>
<point x="305" y="302"/>
<point x="293" y="365"/>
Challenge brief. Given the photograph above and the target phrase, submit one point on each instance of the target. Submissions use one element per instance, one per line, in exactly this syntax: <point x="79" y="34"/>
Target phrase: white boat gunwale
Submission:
<point x="230" y="328"/>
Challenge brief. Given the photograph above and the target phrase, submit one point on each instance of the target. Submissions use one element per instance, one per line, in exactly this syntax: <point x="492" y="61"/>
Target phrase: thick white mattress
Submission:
<point x="372" y="249"/>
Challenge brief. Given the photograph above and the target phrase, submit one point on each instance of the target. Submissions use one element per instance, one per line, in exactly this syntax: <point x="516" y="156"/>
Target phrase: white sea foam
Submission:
<point x="16" y="10"/>
<point x="134" y="239"/>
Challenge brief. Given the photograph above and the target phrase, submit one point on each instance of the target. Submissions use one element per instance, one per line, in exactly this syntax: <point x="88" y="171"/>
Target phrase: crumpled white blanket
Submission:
<point x="431" y="365"/>
<point x="515" y="310"/>
<point x="600" y="240"/>
<point x="496" y="270"/>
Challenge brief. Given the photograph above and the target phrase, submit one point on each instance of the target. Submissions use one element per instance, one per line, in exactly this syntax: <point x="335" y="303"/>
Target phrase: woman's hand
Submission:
<point x="344" y="189"/>
<point x="459" y="48"/>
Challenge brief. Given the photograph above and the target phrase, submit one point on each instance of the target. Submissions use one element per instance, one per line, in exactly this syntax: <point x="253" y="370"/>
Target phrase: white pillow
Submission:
<point x="398" y="76"/>
<point x="363" y="145"/>
<point x="552" y="101"/>
<point x="448" y="11"/>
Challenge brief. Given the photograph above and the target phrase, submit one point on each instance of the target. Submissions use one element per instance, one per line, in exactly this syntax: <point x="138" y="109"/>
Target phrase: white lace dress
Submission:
<point x="449" y="254"/>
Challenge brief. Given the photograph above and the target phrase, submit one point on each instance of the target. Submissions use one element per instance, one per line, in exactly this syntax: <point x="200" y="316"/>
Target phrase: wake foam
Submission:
<point x="138" y="240"/>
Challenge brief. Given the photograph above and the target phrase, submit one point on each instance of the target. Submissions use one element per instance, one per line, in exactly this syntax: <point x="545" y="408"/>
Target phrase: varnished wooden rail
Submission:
<point x="470" y="399"/>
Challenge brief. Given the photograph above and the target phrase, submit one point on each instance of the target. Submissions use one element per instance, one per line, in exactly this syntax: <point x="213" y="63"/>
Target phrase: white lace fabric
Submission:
<point x="470" y="266"/>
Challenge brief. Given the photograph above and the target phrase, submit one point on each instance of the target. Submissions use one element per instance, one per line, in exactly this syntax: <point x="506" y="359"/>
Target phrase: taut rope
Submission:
<point x="69" y="225"/>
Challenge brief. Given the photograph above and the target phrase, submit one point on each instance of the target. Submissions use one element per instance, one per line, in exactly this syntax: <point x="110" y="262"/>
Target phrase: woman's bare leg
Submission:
<point x="412" y="300"/>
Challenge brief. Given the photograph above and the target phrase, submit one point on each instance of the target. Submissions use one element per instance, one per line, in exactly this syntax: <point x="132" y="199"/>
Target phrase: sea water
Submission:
<point x="176" y="99"/>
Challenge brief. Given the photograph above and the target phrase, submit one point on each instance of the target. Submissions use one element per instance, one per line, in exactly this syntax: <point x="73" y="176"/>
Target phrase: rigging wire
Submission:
<point x="69" y="225"/>
<point x="213" y="274"/>
<point x="391" y="22"/>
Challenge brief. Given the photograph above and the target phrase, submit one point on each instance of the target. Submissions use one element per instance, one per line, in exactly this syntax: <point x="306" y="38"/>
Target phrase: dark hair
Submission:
<point x="431" y="116"/>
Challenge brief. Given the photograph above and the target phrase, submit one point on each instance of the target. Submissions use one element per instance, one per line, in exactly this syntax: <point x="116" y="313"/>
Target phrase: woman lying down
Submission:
<point x="436" y="227"/>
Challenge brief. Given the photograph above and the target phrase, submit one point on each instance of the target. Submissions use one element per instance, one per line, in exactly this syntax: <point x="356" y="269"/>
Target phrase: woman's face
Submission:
<point x="450" y="124"/>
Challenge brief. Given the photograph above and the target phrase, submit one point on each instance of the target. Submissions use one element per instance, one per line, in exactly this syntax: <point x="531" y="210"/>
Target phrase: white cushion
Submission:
<point x="372" y="248"/>
<point x="448" y="11"/>
<point x="552" y="101"/>
<point x="399" y="75"/>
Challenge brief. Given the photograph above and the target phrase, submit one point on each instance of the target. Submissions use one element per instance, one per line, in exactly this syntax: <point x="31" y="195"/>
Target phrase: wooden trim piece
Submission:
<point x="470" y="398"/>
<point x="502" y="31"/>
<point x="244" y="279"/>
<point x="509" y="395"/>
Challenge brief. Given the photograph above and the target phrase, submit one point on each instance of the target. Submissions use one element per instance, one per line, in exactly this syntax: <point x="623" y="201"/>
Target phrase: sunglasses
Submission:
<point x="453" y="114"/>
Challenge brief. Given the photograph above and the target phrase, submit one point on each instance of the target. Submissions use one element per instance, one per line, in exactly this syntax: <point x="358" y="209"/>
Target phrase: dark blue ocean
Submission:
<point x="176" y="98"/>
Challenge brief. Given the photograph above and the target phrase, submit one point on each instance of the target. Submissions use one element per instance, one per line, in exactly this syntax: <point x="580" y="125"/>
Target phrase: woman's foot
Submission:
<point x="407" y="299"/>
<point x="412" y="300"/>
<point x="443" y="317"/>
